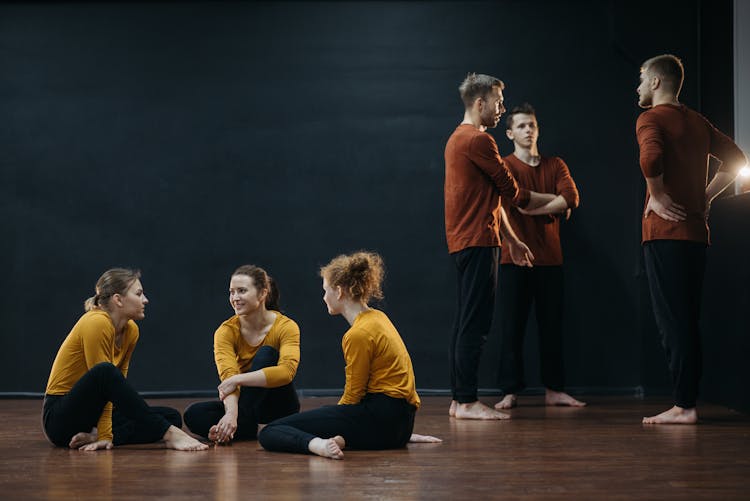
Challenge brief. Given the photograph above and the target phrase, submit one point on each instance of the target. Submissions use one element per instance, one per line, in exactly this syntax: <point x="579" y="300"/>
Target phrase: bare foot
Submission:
<point x="561" y="398"/>
<point x="83" y="438"/>
<point x="452" y="410"/>
<point x="477" y="410"/>
<point x="178" y="440"/>
<point x="508" y="402"/>
<point x="675" y="415"/>
<point x="327" y="447"/>
<point x="423" y="439"/>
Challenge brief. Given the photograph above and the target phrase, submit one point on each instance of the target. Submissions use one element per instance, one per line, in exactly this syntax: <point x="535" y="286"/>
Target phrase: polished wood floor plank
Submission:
<point x="598" y="452"/>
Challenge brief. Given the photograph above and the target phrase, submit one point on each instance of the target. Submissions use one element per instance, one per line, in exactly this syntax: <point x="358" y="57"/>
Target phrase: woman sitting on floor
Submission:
<point x="88" y="377"/>
<point x="257" y="349"/>
<point x="377" y="408"/>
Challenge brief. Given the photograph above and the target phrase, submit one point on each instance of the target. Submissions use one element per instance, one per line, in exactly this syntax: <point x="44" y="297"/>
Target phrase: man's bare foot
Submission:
<point x="83" y="438"/>
<point x="477" y="410"/>
<point x="452" y="410"/>
<point x="675" y="415"/>
<point x="327" y="447"/>
<point x="178" y="440"/>
<point x="423" y="439"/>
<point x="561" y="398"/>
<point x="508" y="402"/>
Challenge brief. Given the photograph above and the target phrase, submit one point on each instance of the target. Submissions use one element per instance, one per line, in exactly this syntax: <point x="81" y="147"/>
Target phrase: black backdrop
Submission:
<point x="188" y="138"/>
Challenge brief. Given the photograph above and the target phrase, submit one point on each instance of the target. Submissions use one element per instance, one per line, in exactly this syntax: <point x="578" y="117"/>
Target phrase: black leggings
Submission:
<point x="377" y="422"/>
<point x="519" y="288"/>
<point x="675" y="278"/>
<point x="133" y="421"/>
<point x="256" y="405"/>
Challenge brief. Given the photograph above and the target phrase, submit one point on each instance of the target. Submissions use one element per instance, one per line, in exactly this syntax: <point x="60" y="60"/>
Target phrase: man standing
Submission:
<point x="675" y="143"/>
<point x="475" y="178"/>
<point x="543" y="284"/>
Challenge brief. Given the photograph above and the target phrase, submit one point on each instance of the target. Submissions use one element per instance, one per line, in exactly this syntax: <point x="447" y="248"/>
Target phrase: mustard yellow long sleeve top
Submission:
<point x="376" y="360"/>
<point x="233" y="355"/>
<point x="90" y="342"/>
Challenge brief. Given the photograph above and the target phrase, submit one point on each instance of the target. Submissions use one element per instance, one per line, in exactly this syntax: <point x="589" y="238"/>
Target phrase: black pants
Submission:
<point x="477" y="282"/>
<point x="79" y="410"/>
<point x="519" y="288"/>
<point x="377" y="422"/>
<point x="256" y="405"/>
<point x="675" y="278"/>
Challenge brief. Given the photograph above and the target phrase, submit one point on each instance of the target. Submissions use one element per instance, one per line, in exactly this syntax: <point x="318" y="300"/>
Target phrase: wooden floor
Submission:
<point x="599" y="452"/>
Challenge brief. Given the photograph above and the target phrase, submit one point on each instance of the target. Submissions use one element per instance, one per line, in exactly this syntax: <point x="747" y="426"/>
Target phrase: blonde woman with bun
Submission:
<point x="380" y="399"/>
<point x="88" y="403"/>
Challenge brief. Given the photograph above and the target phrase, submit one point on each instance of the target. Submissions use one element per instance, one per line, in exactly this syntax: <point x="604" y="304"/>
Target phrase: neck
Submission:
<point x="472" y="119"/>
<point x="258" y="319"/>
<point x="664" y="98"/>
<point x="119" y="321"/>
<point x="352" y="309"/>
<point x="527" y="155"/>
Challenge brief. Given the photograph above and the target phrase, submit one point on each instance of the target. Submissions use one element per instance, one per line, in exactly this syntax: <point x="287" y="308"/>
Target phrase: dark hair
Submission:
<point x="113" y="281"/>
<point x="477" y="85"/>
<point x="668" y="68"/>
<point x="262" y="281"/>
<point x="523" y="109"/>
<point x="359" y="274"/>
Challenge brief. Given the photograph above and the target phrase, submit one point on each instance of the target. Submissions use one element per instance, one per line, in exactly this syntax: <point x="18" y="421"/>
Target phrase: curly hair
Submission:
<point x="360" y="275"/>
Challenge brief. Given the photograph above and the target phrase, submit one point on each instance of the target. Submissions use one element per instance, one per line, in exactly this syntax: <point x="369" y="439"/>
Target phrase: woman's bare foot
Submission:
<point x="452" y="409"/>
<point x="675" y="415"/>
<point x="477" y="410"/>
<point x="561" y="398"/>
<point x="178" y="440"/>
<point x="83" y="438"/>
<point x="328" y="447"/>
<point x="508" y="402"/>
<point x="423" y="439"/>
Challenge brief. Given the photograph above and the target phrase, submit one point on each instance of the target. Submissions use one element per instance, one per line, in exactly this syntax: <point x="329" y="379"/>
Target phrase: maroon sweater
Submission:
<point x="475" y="179"/>
<point x="676" y="141"/>
<point x="540" y="233"/>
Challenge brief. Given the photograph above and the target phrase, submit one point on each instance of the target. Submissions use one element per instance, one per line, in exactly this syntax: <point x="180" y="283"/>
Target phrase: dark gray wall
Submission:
<point x="186" y="139"/>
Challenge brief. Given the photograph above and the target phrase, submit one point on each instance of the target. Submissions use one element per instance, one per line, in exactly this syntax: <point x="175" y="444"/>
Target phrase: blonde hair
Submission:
<point x="113" y="281"/>
<point x="667" y="67"/>
<point x="477" y="85"/>
<point x="360" y="275"/>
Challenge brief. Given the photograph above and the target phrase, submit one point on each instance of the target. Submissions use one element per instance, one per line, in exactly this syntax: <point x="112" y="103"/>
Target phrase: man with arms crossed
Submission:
<point x="542" y="284"/>
<point x="675" y="143"/>
<point x="475" y="178"/>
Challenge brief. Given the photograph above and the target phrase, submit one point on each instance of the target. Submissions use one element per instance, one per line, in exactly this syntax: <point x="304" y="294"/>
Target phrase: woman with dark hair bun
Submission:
<point x="88" y="377"/>
<point x="379" y="402"/>
<point x="256" y="353"/>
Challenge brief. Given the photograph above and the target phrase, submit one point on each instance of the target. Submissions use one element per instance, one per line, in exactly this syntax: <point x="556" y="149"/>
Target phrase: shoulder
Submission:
<point x="229" y="328"/>
<point x="649" y="116"/>
<point x="555" y="162"/>
<point x="95" y="320"/>
<point x="284" y="325"/>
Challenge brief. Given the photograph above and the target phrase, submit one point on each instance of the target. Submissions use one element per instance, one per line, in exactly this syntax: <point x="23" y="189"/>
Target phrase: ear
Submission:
<point x="655" y="82"/>
<point x="478" y="103"/>
<point x="339" y="293"/>
<point x="509" y="134"/>
<point x="117" y="299"/>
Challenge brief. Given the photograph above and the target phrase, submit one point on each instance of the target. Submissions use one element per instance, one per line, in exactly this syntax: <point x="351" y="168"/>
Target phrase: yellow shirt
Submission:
<point x="376" y="360"/>
<point x="233" y="355"/>
<point x="90" y="342"/>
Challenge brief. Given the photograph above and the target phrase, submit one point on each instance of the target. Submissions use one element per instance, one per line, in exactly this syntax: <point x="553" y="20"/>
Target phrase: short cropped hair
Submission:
<point x="668" y="68"/>
<point x="477" y="85"/>
<point x="523" y="109"/>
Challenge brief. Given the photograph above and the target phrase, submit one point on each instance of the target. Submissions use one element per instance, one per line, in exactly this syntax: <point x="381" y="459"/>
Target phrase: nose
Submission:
<point x="145" y="299"/>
